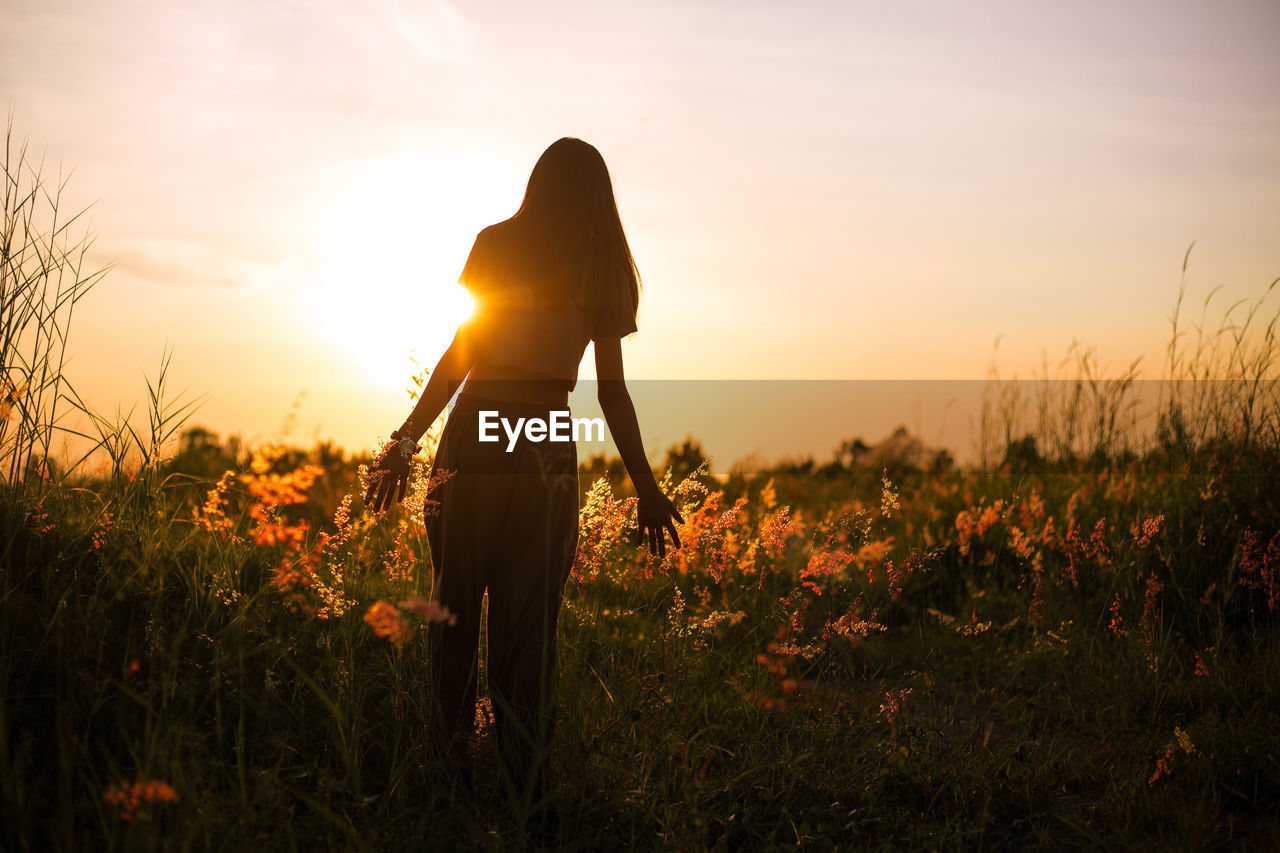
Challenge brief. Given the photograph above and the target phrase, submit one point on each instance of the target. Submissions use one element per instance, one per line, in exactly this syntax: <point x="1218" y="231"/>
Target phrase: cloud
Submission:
<point x="180" y="263"/>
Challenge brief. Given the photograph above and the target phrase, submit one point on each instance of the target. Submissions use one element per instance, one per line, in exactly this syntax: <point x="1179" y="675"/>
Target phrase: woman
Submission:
<point x="553" y="277"/>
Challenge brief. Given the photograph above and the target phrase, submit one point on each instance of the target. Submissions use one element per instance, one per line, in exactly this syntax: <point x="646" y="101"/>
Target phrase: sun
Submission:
<point x="390" y="243"/>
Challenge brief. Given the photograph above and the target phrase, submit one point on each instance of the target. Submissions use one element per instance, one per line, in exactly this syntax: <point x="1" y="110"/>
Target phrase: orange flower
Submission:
<point x="892" y="704"/>
<point x="1144" y="530"/>
<point x="431" y="610"/>
<point x="130" y="797"/>
<point x="103" y="527"/>
<point x="389" y="622"/>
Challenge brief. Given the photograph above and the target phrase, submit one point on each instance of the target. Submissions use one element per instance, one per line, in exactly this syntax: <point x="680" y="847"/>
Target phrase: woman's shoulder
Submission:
<point x="483" y="269"/>
<point x="495" y="233"/>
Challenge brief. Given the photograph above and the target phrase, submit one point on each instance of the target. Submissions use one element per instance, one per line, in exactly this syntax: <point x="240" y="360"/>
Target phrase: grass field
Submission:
<point x="1072" y="645"/>
<point x="1059" y="655"/>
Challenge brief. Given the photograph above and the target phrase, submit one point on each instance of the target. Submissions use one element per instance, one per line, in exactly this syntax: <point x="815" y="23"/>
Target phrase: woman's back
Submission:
<point x="532" y="320"/>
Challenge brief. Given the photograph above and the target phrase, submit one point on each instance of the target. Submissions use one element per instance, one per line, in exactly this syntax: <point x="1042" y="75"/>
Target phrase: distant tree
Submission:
<point x="942" y="462"/>
<point x="202" y="454"/>
<point x="599" y="465"/>
<point x="197" y="438"/>
<point x="833" y="470"/>
<point x="329" y="456"/>
<point x="803" y="465"/>
<point x="1021" y="455"/>
<point x="898" y="455"/>
<point x="683" y="459"/>
<point x="851" y="453"/>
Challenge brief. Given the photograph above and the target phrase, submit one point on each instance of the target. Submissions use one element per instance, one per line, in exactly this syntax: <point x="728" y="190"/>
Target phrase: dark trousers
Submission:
<point x="506" y="522"/>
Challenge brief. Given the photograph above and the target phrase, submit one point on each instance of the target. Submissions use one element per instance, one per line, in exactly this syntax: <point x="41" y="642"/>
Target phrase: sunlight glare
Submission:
<point x="393" y="239"/>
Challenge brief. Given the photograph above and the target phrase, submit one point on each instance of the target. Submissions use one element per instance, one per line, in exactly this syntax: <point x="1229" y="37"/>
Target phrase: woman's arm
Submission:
<point x="390" y="474"/>
<point x="451" y="370"/>
<point x="655" y="511"/>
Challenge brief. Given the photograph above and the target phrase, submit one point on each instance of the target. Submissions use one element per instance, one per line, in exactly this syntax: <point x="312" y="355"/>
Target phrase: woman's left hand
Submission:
<point x="388" y="478"/>
<point x="655" y="518"/>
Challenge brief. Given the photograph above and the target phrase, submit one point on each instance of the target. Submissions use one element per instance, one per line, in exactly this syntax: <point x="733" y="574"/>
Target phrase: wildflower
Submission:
<point x="888" y="497"/>
<point x="484" y="717"/>
<point x="1076" y="549"/>
<point x="333" y="603"/>
<point x="102" y="527"/>
<point x="808" y="651"/>
<point x="708" y="539"/>
<point x="911" y="565"/>
<point x="1260" y="569"/>
<point x="601" y="523"/>
<point x="265" y="457"/>
<point x="1031" y="512"/>
<point x="716" y="618"/>
<point x="1202" y="669"/>
<point x="965" y="528"/>
<point x="826" y="562"/>
<point x="775" y="529"/>
<point x="1021" y="543"/>
<point x="132" y="797"/>
<point x="9" y="395"/>
<point x="973" y="626"/>
<point x="851" y="625"/>
<point x="37" y="523"/>
<point x="1184" y="741"/>
<point x="1164" y="764"/>
<point x="874" y="553"/>
<point x="273" y="491"/>
<point x="1144" y="530"/>
<point x="431" y="610"/>
<point x="990" y="516"/>
<point x="1037" y="599"/>
<point x="400" y="561"/>
<point x="769" y="496"/>
<point x="211" y="518"/>
<point x="289" y="580"/>
<point x="892" y="704"/>
<point x="1098" y="542"/>
<point x="418" y="503"/>
<point x="341" y="521"/>
<point x="389" y="623"/>
<point x="1117" y="621"/>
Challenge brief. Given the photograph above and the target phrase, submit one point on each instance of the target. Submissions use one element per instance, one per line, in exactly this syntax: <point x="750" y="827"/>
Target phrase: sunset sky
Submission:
<point x="812" y="190"/>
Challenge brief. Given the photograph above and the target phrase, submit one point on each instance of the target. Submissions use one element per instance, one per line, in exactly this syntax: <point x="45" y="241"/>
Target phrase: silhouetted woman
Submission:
<point x="545" y="282"/>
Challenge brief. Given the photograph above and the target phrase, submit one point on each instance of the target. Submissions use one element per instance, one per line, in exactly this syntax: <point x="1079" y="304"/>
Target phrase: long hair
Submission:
<point x="570" y="237"/>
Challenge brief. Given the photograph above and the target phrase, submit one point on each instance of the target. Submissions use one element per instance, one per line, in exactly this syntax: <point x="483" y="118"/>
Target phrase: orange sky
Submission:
<point x="837" y="190"/>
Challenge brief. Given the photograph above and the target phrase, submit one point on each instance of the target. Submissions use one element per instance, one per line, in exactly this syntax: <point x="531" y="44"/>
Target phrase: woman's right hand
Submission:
<point x="388" y="478"/>
<point x="656" y="516"/>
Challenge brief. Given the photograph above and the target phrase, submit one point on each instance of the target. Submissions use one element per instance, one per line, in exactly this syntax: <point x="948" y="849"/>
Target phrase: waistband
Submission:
<point x="497" y="397"/>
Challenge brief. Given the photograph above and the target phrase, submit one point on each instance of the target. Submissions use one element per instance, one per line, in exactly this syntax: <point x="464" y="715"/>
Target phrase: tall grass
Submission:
<point x="43" y="275"/>
<point x="1218" y="390"/>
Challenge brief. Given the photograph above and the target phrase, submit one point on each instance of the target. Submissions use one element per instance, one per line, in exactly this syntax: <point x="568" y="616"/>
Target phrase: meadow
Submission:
<point x="1071" y="645"/>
